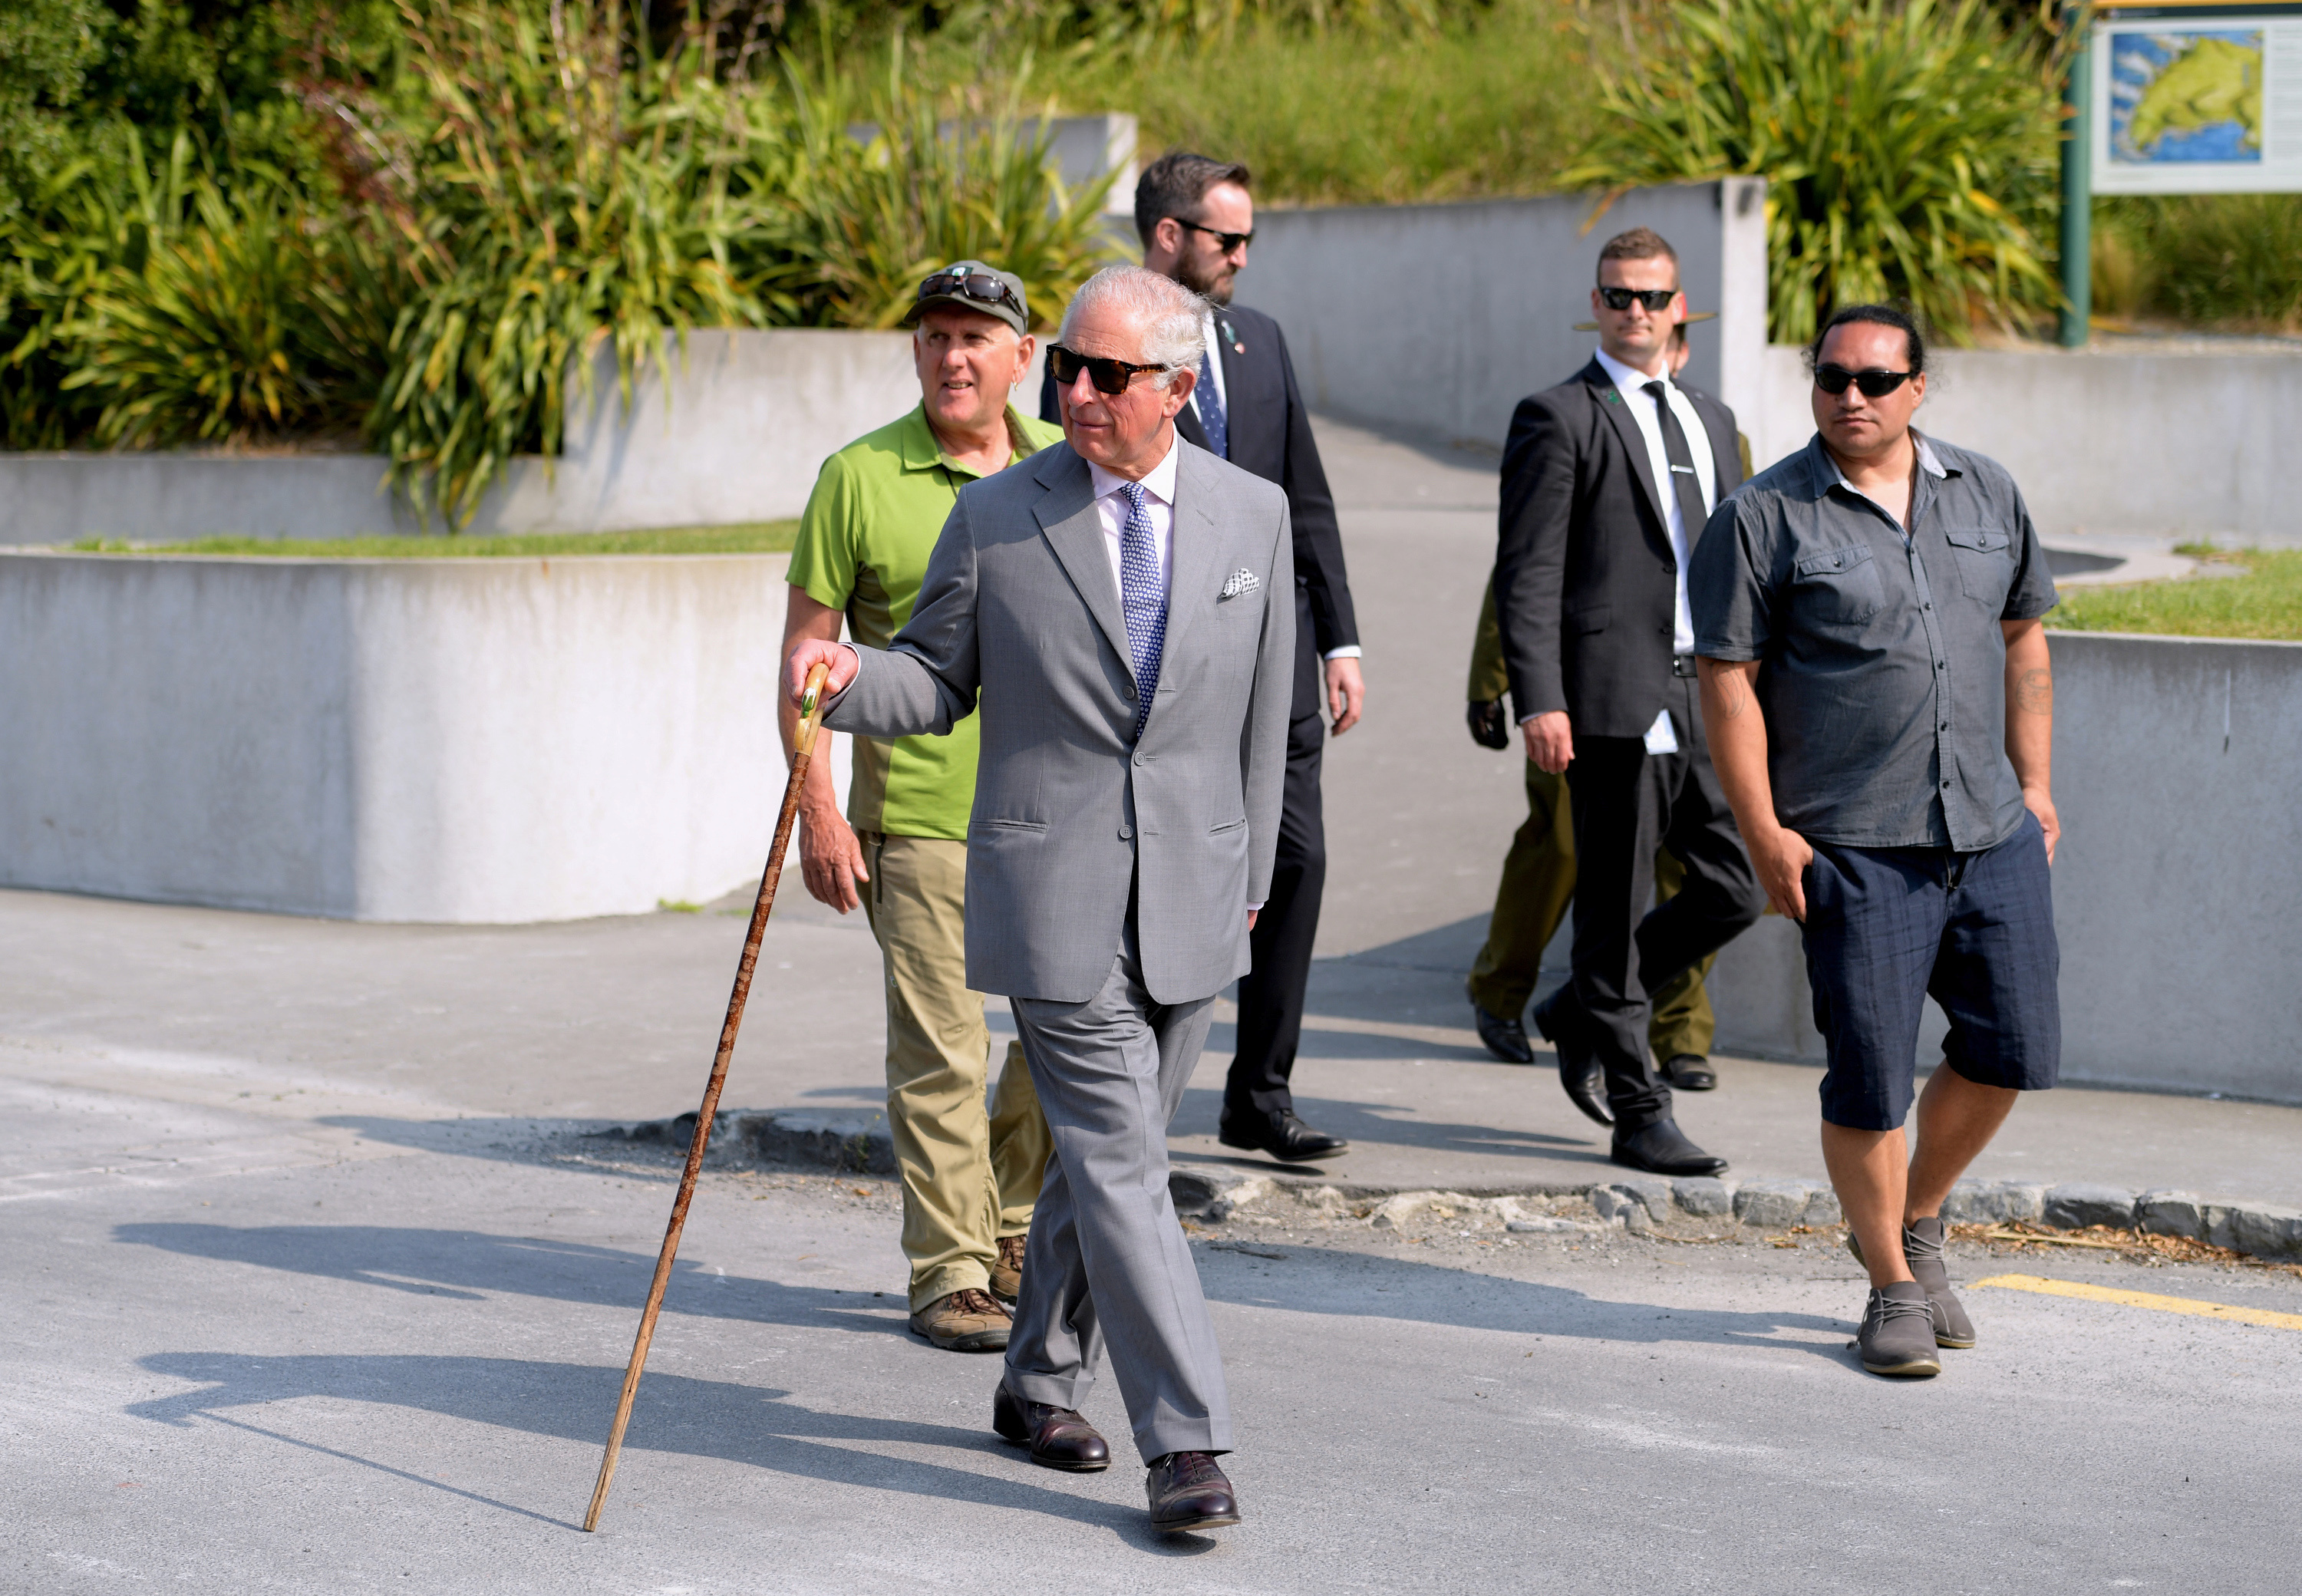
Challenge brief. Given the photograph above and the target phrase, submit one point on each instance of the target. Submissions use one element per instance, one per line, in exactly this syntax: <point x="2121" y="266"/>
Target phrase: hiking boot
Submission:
<point x="1922" y="1250"/>
<point x="964" y="1322"/>
<point x="1898" y="1331"/>
<point x="1007" y="1272"/>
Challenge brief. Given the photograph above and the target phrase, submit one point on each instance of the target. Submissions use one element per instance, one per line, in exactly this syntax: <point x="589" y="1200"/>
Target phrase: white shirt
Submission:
<point x="1111" y="509"/>
<point x="1631" y="384"/>
<point x="1213" y="333"/>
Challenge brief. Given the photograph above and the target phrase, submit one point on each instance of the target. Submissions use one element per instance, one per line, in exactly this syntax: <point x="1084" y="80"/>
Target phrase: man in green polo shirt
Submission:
<point x="970" y="1172"/>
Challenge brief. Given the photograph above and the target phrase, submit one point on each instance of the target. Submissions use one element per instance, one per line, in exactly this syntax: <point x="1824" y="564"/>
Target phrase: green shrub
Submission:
<point x="2232" y="261"/>
<point x="1909" y="147"/>
<point x="234" y="326"/>
<point x="931" y="186"/>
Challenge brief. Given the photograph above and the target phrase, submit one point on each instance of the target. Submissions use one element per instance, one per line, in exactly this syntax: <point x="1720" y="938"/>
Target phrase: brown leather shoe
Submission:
<point x="1058" y="1437"/>
<point x="1007" y="1273"/>
<point x="964" y="1322"/>
<point x="1189" y="1492"/>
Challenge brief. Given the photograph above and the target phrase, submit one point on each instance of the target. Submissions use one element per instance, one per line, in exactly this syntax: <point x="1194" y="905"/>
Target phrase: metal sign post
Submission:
<point x="2078" y="197"/>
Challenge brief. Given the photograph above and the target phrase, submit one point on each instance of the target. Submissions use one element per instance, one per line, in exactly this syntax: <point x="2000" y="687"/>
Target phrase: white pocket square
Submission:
<point x="1241" y="582"/>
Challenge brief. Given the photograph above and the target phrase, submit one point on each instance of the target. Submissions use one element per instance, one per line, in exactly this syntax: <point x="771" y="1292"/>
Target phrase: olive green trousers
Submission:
<point x="970" y="1168"/>
<point x="1538" y="885"/>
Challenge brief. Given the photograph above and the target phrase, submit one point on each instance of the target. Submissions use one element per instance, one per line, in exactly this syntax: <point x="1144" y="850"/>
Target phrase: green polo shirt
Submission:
<point x="863" y="545"/>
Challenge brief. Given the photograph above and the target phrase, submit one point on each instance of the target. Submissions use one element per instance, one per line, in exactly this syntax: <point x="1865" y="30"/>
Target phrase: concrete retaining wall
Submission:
<point x="1435" y="320"/>
<point x="400" y="740"/>
<point x="2157" y="444"/>
<point x="2177" y="763"/>
<point x="748" y="419"/>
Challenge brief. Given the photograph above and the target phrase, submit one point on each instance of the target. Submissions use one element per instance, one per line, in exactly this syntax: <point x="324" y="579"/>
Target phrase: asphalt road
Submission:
<point x="312" y="1287"/>
<point x="394" y="1373"/>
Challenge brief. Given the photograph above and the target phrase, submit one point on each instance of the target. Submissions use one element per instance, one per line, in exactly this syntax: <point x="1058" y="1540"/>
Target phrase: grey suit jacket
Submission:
<point x="1071" y="811"/>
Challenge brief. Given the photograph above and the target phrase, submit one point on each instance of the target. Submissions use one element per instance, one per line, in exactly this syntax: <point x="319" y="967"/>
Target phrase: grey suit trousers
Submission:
<point x="1106" y="1261"/>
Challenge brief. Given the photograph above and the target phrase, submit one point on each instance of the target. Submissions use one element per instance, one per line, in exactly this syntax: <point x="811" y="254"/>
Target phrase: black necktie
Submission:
<point x="1682" y="467"/>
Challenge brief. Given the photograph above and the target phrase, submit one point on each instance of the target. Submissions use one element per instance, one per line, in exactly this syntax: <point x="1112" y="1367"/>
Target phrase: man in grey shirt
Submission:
<point x="1877" y="598"/>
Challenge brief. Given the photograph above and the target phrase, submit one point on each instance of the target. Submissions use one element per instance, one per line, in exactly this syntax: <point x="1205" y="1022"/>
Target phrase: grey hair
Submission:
<point x="1173" y="317"/>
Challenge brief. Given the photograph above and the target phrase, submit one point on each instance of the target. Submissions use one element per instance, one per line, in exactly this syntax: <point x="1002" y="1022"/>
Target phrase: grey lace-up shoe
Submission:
<point x="1922" y="1250"/>
<point x="1898" y="1332"/>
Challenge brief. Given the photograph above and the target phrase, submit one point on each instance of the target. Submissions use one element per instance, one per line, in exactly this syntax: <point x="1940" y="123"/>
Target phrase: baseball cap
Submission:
<point x="970" y="285"/>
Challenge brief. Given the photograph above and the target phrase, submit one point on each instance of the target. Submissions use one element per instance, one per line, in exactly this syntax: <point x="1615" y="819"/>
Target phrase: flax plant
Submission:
<point x="930" y="186"/>
<point x="1909" y="146"/>
<point x="566" y="196"/>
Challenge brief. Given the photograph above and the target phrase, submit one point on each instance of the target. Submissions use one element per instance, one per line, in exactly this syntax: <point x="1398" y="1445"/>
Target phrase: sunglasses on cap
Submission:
<point x="1657" y="300"/>
<point x="1877" y="382"/>
<point x="1108" y="375"/>
<point x="1224" y="241"/>
<point x="970" y="285"/>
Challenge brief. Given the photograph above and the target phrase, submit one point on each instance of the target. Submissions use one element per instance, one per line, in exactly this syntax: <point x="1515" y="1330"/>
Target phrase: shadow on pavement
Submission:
<point x="1382" y="1123"/>
<point x="755" y="1425"/>
<point x="1360" y="1285"/>
<point x="470" y="1266"/>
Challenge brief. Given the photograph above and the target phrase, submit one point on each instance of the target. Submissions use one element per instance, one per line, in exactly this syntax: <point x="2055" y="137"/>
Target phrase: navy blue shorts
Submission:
<point x="1887" y="927"/>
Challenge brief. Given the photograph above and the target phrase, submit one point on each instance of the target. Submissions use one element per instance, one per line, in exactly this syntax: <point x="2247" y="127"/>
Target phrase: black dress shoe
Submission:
<point x="1505" y="1038"/>
<point x="1278" y="1133"/>
<point x="1579" y="1068"/>
<point x="1058" y="1437"/>
<point x="1689" y="1072"/>
<point x="1662" y="1148"/>
<point x="1189" y="1492"/>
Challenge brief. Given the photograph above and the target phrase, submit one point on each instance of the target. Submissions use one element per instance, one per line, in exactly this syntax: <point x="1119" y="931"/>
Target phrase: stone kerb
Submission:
<point x="453" y="740"/>
<point x="2176" y="764"/>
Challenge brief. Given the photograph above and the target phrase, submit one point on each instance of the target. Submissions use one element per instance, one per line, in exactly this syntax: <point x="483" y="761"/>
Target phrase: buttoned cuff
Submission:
<point x="1349" y="650"/>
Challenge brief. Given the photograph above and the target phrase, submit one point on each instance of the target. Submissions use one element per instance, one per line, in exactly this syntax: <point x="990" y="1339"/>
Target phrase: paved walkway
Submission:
<point x="368" y="1037"/>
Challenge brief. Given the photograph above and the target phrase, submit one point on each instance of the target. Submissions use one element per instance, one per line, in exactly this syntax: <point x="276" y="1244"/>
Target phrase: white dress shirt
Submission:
<point x="1111" y="509"/>
<point x="1631" y="384"/>
<point x="1214" y="335"/>
<point x="1213" y="332"/>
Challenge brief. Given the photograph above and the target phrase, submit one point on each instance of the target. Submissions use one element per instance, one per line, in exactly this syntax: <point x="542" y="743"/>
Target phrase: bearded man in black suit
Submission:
<point x="1607" y="482"/>
<point x="1197" y="218"/>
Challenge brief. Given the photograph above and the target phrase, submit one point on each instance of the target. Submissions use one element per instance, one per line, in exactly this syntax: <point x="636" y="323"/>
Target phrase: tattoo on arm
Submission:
<point x="2034" y="691"/>
<point x="1733" y="697"/>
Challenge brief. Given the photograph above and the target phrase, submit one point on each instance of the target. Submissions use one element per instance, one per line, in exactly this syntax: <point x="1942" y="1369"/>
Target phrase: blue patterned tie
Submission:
<point x="1212" y="419"/>
<point x="1142" y="598"/>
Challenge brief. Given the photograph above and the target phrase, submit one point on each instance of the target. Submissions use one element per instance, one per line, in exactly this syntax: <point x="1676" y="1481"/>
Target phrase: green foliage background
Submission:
<point x="398" y="223"/>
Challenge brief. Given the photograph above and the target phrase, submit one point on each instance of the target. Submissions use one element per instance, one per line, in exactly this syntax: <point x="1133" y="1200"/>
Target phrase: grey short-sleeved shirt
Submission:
<point x="1883" y="673"/>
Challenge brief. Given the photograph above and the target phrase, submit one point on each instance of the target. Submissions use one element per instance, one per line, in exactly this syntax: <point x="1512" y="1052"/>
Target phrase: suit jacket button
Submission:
<point x="1126" y="833"/>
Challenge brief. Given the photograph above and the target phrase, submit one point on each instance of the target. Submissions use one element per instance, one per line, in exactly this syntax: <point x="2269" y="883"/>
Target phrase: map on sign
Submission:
<point x="2184" y="99"/>
<point x="2186" y="96"/>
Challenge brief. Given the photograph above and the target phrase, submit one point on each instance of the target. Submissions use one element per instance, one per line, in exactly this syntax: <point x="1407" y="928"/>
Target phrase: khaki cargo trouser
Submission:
<point x="970" y="1169"/>
<point x="1538" y="885"/>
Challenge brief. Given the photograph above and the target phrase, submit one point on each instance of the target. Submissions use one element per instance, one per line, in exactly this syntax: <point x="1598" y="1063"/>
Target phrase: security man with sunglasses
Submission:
<point x="969" y="1175"/>
<point x="1881" y="707"/>
<point x="1607" y="482"/>
<point x="1196" y="219"/>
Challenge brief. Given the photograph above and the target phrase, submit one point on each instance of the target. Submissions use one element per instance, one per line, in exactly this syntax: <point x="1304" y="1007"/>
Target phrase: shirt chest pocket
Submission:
<point x="1839" y="587"/>
<point x="1985" y="564"/>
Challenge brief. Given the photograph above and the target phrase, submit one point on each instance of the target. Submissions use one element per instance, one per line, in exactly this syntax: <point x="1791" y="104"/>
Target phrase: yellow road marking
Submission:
<point x="2143" y="1300"/>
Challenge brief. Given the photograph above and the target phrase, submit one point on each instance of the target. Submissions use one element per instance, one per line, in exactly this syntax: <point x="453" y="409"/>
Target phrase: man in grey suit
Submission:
<point x="1123" y="606"/>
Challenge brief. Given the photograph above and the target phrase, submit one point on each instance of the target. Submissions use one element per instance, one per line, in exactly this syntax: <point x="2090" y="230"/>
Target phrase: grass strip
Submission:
<point x="2266" y="602"/>
<point x="748" y="537"/>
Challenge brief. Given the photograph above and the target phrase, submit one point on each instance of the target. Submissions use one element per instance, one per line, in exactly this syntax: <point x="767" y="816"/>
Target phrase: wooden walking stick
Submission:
<point x="810" y="714"/>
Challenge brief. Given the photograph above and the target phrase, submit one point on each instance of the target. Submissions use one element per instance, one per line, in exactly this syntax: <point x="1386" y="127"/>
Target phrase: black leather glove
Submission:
<point x="1490" y="727"/>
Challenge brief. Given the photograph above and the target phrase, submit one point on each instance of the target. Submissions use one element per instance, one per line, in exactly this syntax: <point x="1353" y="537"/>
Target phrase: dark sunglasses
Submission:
<point x="1657" y="300"/>
<point x="1108" y="375"/>
<point x="1225" y="241"/>
<point x="1874" y="383"/>
<point x="970" y="285"/>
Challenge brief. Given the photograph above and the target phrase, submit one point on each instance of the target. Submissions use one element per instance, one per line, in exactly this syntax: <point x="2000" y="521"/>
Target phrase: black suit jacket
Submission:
<point x="1586" y="587"/>
<point x="1270" y="435"/>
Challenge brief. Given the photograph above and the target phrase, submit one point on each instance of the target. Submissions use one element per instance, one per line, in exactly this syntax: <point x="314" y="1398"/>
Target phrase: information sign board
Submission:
<point x="2187" y="100"/>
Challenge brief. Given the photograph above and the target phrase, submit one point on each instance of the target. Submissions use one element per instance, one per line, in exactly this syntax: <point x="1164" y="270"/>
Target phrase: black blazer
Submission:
<point x="1586" y="587"/>
<point x="1270" y="435"/>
